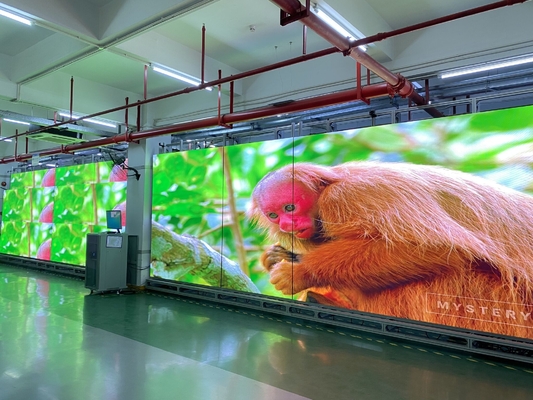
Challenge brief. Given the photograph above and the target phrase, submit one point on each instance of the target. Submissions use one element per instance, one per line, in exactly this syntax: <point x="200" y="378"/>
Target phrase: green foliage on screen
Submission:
<point x="76" y="175"/>
<point x="17" y="205"/>
<point x="48" y="213"/>
<point x="22" y="179"/>
<point x="15" y="238"/>
<point x="108" y="196"/>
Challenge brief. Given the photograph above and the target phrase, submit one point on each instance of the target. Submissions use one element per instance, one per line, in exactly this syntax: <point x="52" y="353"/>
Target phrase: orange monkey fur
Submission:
<point x="392" y="235"/>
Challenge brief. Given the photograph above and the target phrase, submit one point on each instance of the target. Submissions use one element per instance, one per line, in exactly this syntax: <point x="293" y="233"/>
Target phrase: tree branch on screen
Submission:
<point x="174" y="256"/>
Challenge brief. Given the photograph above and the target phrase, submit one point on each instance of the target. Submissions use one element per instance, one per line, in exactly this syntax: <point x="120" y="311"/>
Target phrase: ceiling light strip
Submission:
<point x="486" y="67"/>
<point x="15" y="17"/>
<point x="180" y="76"/>
<point x="94" y="121"/>
<point x="14" y="121"/>
<point x="348" y="32"/>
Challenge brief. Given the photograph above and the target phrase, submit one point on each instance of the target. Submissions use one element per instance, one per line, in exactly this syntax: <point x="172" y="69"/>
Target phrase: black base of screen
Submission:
<point x="52" y="266"/>
<point x="438" y="335"/>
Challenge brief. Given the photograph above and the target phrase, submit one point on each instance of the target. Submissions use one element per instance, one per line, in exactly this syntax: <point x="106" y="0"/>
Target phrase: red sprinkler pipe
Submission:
<point x="346" y="96"/>
<point x="138" y="116"/>
<point x="126" y="113"/>
<point x="71" y="94"/>
<point x="304" y="40"/>
<point x="203" y="54"/>
<point x="145" y="91"/>
<point x="231" y="96"/>
<point x="376" y="90"/>
<point x="16" y="143"/>
<point x="219" y="95"/>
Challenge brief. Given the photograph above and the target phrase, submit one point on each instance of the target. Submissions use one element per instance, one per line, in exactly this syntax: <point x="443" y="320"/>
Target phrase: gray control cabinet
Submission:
<point x="106" y="261"/>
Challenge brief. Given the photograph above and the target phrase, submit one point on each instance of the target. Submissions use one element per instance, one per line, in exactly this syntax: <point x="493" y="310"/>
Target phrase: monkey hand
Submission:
<point x="276" y="254"/>
<point x="284" y="276"/>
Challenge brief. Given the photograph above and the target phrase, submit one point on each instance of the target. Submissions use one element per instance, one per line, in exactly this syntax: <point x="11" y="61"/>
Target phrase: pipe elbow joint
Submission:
<point x="403" y="87"/>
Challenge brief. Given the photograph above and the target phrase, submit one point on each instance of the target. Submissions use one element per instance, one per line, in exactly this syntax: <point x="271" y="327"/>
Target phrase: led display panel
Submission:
<point x="429" y="220"/>
<point x="47" y="214"/>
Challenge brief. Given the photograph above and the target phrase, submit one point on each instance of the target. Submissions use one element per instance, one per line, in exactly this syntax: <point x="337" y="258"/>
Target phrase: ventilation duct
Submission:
<point x="60" y="136"/>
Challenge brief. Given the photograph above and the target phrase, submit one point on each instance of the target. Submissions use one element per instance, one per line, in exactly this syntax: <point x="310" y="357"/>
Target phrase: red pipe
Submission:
<point x="138" y="116"/>
<point x="145" y="91"/>
<point x="203" y="53"/>
<point x="231" y="96"/>
<point x="358" y="79"/>
<point x="346" y="96"/>
<point x="16" y="143"/>
<point x="219" y="95"/>
<point x="376" y="90"/>
<point x="304" y="40"/>
<point x="71" y="94"/>
<point x="126" y="113"/>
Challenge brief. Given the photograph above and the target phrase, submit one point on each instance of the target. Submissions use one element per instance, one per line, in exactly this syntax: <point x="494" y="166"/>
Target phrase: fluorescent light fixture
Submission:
<point x="473" y="69"/>
<point x="51" y="165"/>
<point x="94" y="121"/>
<point x="15" y="17"/>
<point x="180" y="76"/>
<point x="5" y="139"/>
<point x="15" y="121"/>
<point x="339" y="24"/>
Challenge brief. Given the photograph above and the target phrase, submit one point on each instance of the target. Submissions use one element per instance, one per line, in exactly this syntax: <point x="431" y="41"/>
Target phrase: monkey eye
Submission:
<point x="272" y="215"/>
<point x="289" y="207"/>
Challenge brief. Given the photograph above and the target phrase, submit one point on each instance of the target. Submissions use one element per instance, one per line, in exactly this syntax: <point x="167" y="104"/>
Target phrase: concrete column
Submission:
<point x="139" y="204"/>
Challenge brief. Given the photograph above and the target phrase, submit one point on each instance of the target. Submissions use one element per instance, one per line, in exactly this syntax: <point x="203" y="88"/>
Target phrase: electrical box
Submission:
<point x="106" y="261"/>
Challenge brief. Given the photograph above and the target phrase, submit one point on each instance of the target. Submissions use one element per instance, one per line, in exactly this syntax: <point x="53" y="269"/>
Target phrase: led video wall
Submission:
<point x="429" y="220"/>
<point x="47" y="214"/>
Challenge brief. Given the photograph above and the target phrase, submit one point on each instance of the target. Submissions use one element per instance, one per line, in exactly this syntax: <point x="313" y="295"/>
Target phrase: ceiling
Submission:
<point x="98" y="49"/>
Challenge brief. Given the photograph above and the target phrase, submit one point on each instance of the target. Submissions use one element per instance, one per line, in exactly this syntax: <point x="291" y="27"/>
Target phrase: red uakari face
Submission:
<point x="292" y="206"/>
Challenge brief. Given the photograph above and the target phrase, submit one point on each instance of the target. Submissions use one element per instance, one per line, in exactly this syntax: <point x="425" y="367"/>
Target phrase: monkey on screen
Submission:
<point x="410" y="241"/>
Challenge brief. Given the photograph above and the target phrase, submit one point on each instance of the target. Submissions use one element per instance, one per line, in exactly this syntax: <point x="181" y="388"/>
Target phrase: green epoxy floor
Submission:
<point x="57" y="342"/>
